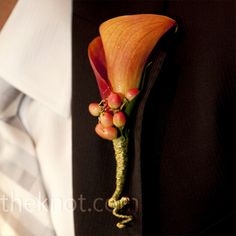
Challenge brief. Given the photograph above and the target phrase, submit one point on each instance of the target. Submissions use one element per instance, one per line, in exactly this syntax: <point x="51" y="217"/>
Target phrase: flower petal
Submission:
<point x="98" y="63"/>
<point x="127" y="42"/>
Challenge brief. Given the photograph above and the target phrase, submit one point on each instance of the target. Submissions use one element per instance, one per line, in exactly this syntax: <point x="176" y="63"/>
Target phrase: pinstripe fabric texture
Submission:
<point x="24" y="208"/>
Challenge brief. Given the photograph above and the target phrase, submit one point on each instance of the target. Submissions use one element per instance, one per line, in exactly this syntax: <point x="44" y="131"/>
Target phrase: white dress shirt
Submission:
<point x="35" y="58"/>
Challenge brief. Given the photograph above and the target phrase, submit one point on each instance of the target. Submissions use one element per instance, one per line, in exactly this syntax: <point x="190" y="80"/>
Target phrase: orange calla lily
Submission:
<point x="118" y="57"/>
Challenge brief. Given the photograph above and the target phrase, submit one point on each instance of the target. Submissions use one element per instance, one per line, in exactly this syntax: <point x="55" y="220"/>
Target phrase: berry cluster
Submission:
<point x="111" y="115"/>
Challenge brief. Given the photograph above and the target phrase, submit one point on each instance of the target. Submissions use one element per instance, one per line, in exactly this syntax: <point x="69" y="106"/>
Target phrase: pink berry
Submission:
<point x="132" y="93"/>
<point x="106" y="119"/>
<point x="114" y="100"/>
<point x="94" y="109"/>
<point x="108" y="133"/>
<point x="119" y="119"/>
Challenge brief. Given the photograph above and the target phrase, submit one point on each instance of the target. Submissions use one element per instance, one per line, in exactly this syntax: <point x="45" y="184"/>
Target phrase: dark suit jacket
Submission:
<point x="182" y="155"/>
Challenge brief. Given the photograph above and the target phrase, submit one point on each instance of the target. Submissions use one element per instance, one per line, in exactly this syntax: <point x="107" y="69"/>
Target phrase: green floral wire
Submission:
<point x="116" y="202"/>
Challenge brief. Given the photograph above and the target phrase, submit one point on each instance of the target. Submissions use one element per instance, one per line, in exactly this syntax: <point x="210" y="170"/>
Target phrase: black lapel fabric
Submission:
<point x="182" y="174"/>
<point x="188" y="137"/>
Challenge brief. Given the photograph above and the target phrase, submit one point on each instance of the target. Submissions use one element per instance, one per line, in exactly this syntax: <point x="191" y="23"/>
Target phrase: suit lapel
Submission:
<point x="183" y="185"/>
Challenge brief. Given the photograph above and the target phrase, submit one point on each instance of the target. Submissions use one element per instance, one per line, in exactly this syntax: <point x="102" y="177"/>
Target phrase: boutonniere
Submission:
<point x="118" y="58"/>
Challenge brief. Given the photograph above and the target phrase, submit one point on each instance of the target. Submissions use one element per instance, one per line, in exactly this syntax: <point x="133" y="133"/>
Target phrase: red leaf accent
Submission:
<point x="98" y="63"/>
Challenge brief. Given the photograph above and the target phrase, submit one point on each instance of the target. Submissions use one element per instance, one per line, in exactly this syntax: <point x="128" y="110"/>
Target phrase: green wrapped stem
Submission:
<point x="116" y="202"/>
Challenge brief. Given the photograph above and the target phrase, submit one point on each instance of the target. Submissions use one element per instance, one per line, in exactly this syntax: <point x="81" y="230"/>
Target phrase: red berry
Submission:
<point x="119" y="119"/>
<point x="108" y="133"/>
<point x="94" y="109"/>
<point x="114" y="100"/>
<point x="106" y="119"/>
<point x="132" y="93"/>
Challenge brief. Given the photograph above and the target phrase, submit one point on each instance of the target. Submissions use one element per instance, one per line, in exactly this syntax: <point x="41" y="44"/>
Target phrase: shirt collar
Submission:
<point x="35" y="52"/>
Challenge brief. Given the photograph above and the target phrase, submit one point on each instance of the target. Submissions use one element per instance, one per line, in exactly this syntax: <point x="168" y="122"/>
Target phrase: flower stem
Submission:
<point x="116" y="202"/>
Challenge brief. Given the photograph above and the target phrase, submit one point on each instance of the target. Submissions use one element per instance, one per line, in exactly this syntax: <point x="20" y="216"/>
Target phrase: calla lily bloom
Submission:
<point x="119" y="55"/>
